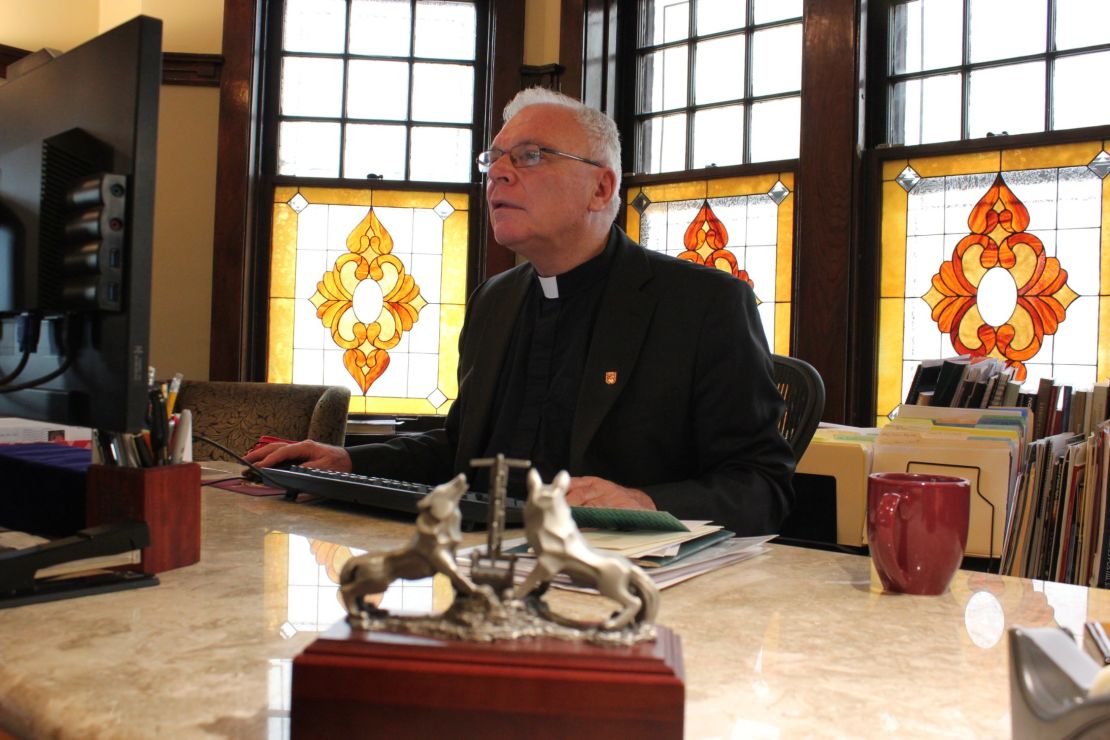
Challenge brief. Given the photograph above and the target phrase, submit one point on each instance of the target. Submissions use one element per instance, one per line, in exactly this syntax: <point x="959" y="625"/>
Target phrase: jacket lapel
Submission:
<point x="491" y="344"/>
<point x="619" y="330"/>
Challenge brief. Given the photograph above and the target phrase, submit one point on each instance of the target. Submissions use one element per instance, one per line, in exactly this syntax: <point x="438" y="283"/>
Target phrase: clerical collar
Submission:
<point x="581" y="277"/>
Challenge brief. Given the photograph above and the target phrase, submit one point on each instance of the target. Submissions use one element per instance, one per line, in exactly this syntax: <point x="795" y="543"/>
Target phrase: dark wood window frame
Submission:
<point x="240" y="254"/>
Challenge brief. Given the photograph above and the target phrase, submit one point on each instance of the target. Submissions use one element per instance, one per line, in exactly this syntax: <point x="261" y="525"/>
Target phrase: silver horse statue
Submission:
<point x="560" y="548"/>
<point x="431" y="550"/>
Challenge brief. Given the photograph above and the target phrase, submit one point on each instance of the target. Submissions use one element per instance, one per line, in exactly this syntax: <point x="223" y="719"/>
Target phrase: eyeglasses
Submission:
<point x="526" y="155"/>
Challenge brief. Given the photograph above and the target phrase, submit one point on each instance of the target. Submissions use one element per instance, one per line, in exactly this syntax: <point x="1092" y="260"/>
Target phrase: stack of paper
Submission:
<point x="986" y="446"/>
<point x="667" y="556"/>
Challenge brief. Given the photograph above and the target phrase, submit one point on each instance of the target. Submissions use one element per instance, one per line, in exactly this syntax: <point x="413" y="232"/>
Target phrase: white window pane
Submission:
<point x="308" y="331"/>
<point x="1082" y="23"/>
<point x="663" y="143"/>
<point x="927" y="110"/>
<point x="1077" y="99"/>
<point x="443" y="92"/>
<point x="777" y="60"/>
<point x="1004" y="29"/>
<point x="1079" y="203"/>
<point x="776" y="10"/>
<point x="378" y="90"/>
<point x="719" y="70"/>
<point x="719" y="136"/>
<point x="930" y="32"/>
<point x="1079" y="253"/>
<point x="775" y="126"/>
<point x="663" y="21"/>
<point x="440" y="154"/>
<point x="720" y="15"/>
<point x="377" y="150"/>
<point x="990" y="88"/>
<point x="308" y="148"/>
<point x="315" y="25"/>
<point x="663" y="79"/>
<point x="381" y="27"/>
<point x="445" y="30"/>
<point x="311" y="87"/>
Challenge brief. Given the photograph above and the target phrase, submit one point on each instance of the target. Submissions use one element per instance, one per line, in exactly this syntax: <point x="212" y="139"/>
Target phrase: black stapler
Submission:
<point x="19" y="586"/>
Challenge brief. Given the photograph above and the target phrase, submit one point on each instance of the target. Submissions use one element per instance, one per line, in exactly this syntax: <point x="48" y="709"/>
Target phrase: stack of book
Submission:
<point x="985" y="382"/>
<point x="1058" y="524"/>
<point x="1057" y="515"/>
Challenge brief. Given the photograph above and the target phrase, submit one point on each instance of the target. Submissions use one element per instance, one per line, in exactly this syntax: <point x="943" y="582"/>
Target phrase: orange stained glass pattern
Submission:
<point x="367" y="290"/>
<point x="742" y="225"/>
<point x="999" y="246"/>
<point x="1001" y="253"/>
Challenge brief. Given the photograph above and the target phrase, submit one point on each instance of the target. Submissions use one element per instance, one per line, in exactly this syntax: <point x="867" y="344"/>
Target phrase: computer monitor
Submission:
<point x="77" y="155"/>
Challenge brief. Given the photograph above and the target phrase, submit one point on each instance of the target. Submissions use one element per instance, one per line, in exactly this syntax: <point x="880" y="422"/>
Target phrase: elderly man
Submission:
<point x="644" y="376"/>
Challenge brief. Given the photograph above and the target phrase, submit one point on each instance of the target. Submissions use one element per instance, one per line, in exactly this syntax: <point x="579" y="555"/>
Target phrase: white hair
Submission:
<point x="605" y="140"/>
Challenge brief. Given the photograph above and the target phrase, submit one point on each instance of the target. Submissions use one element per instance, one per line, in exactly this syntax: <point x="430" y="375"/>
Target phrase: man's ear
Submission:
<point x="603" y="191"/>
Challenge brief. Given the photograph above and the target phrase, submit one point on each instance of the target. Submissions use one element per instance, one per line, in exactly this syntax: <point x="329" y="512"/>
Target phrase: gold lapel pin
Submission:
<point x="611" y="377"/>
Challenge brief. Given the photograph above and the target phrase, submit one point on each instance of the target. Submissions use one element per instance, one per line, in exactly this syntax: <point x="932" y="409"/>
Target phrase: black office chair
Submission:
<point x="812" y="521"/>
<point x="801" y="387"/>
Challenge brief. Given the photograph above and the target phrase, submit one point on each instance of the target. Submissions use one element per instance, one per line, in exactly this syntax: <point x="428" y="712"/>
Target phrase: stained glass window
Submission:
<point x="742" y="225"/>
<point x="367" y="291"/>
<point x="380" y="89"/>
<point x="966" y="69"/>
<point x="1003" y="253"/>
<point x="719" y="83"/>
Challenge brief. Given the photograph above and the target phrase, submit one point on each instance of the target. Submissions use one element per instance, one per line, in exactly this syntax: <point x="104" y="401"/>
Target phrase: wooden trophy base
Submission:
<point x="377" y="684"/>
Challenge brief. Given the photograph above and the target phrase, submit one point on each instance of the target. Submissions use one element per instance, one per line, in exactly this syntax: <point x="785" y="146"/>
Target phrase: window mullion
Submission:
<point x="1050" y="64"/>
<point x="965" y="75"/>
<point x="691" y="80"/>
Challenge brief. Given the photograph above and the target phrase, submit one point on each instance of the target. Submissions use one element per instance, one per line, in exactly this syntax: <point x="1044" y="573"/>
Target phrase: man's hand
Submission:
<point x="591" y="491"/>
<point x="308" y="453"/>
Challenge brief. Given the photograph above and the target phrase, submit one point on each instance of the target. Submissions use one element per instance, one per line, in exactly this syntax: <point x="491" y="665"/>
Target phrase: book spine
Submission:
<point x="1040" y="410"/>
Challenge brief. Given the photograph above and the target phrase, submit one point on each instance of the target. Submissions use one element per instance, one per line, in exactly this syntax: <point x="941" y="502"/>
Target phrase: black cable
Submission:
<point x="27" y="329"/>
<point x="28" y="337"/>
<point x="18" y="369"/>
<point x="258" y="471"/>
<point x="39" y="381"/>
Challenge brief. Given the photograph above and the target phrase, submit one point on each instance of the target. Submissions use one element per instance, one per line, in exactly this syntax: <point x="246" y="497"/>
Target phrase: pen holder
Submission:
<point x="166" y="497"/>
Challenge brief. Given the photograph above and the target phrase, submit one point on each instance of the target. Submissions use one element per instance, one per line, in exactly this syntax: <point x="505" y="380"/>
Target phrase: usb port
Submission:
<point x="113" y="258"/>
<point x="113" y="292"/>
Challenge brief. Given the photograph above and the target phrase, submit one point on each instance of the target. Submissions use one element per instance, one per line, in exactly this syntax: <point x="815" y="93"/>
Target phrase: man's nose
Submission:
<point x="502" y="168"/>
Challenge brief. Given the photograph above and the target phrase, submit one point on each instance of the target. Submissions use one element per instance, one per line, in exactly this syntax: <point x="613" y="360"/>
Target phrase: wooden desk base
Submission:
<point x="372" y="684"/>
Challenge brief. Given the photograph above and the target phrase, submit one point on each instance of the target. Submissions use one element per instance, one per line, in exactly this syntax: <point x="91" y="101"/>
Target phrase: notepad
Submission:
<point x="626" y="519"/>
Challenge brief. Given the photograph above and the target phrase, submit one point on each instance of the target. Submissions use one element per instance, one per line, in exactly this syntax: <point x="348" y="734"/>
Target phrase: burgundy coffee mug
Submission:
<point x="917" y="529"/>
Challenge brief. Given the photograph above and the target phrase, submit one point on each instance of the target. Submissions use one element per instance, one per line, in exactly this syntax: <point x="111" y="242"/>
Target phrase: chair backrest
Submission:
<point x="801" y="387"/>
<point x="236" y="414"/>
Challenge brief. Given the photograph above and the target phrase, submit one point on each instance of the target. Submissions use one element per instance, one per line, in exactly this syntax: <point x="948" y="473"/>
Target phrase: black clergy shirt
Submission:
<point x="534" y="407"/>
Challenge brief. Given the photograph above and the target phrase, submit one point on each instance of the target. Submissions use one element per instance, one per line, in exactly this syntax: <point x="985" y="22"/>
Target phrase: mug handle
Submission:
<point x="885" y="517"/>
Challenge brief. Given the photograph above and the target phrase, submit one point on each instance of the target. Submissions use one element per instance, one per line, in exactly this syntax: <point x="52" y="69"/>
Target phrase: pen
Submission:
<point x="159" y="427"/>
<point x="171" y="396"/>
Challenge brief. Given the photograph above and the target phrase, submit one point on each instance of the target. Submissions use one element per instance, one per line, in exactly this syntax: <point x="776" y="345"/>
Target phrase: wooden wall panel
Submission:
<point x="826" y="191"/>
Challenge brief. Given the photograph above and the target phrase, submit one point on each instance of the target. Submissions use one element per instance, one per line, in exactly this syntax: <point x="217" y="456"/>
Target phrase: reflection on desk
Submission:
<point x="791" y="643"/>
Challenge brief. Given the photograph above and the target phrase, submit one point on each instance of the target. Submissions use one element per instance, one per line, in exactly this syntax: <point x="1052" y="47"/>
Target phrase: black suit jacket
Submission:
<point x="676" y="396"/>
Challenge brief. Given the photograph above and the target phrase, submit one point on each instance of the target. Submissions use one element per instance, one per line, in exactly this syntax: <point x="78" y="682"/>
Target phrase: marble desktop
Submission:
<point x="792" y="643"/>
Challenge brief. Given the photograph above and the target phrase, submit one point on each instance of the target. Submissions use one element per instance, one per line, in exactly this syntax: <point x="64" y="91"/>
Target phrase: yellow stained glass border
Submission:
<point x="453" y="280"/>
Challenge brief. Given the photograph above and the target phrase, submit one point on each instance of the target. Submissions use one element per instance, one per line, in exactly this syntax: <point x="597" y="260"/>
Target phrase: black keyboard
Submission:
<point x="381" y="493"/>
